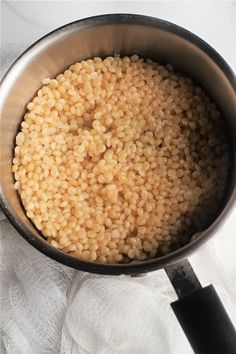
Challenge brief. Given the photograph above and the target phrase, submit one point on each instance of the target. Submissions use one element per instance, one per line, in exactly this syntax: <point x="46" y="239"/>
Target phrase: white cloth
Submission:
<point x="48" y="308"/>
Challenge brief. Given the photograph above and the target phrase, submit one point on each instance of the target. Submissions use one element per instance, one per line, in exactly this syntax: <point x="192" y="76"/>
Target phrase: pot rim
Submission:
<point x="133" y="267"/>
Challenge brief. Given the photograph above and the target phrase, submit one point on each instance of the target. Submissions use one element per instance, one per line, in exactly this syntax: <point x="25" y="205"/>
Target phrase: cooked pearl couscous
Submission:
<point x="120" y="159"/>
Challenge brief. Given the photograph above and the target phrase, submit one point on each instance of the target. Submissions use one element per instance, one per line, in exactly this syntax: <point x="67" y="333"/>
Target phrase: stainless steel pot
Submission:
<point x="102" y="36"/>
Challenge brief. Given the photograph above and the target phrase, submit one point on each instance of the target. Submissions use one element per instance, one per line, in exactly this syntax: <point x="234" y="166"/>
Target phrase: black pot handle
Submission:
<point x="201" y="313"/>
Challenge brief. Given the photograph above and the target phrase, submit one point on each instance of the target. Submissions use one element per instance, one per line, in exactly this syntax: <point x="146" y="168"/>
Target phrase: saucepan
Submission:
<point x="199" y="310"/>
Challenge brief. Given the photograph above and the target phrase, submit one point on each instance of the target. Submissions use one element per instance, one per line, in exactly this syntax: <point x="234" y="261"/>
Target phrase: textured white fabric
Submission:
<point x="47" y="308"/>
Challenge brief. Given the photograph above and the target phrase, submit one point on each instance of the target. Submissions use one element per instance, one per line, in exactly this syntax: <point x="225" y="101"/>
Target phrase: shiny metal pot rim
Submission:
<point x="41" y="45"/>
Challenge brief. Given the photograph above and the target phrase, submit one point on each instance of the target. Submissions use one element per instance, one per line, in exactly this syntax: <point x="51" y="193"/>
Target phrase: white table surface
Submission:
<point x="23" y="22"/>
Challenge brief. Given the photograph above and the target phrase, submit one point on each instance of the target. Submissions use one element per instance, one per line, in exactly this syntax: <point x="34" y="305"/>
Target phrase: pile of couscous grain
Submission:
<point x="120" y="159"/>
